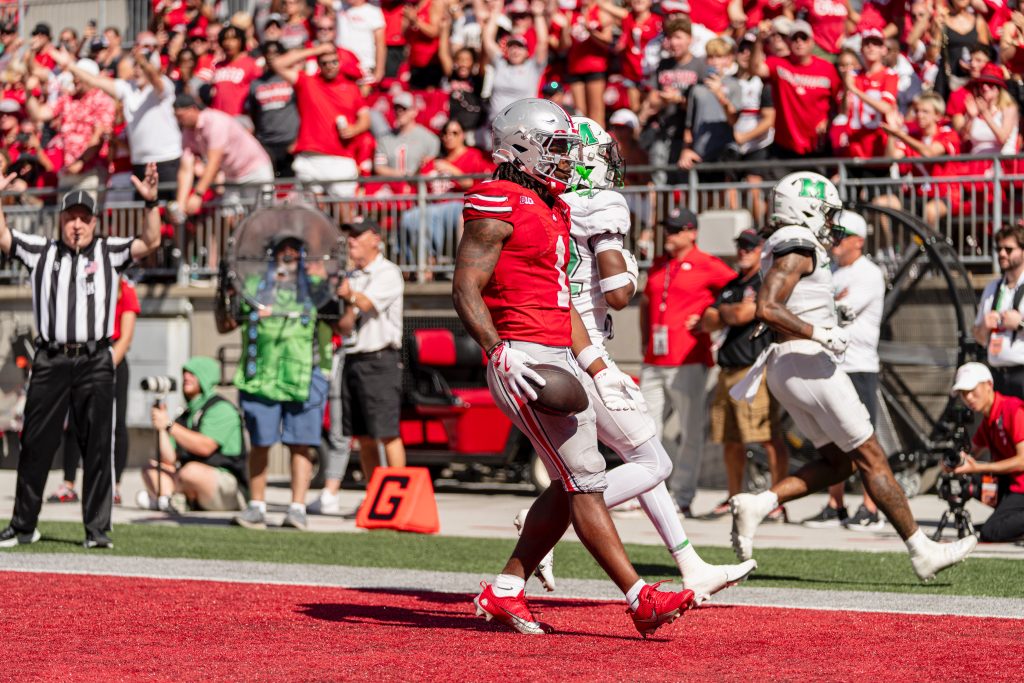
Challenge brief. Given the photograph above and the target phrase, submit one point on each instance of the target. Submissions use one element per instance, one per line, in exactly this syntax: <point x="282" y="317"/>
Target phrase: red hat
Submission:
<point x="991" y="74"/>
<point x="197" y="32"/>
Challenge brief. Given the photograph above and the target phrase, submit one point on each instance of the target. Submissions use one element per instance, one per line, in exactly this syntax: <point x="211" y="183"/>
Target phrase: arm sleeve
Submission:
<point x="606" y="242"/>
<point x="486" y="201"/>
<point x="28" y="249"/>
<point x="122" y="89"/>
<point x="1017" y="428"/>
<point x="129" y="298"/>
<point x="119" y="249"/>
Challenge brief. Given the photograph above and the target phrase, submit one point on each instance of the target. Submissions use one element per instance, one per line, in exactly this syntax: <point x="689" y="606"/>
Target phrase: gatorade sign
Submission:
<point x="400" y="498"/>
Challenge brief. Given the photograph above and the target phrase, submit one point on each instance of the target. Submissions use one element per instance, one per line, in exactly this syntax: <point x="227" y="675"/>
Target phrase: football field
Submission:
<point x="211" y="602"/>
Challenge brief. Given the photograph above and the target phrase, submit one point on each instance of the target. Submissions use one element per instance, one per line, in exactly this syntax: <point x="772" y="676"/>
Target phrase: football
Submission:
<point x="562" y="394"/>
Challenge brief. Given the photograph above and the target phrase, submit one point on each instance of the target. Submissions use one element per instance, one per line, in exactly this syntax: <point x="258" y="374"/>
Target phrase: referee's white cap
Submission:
<point x="78" y="198"/>
<point x="970" y="375"/>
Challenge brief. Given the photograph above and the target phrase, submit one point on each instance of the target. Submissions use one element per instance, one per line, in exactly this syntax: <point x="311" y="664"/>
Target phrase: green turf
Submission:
<point x="815" y="569"/>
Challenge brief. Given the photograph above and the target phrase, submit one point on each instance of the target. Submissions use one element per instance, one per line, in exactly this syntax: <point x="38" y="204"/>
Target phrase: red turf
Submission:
<point x="68" y="627"/>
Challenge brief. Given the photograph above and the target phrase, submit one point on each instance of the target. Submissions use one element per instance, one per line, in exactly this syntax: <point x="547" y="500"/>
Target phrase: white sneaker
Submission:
<point x="545" y="571"/>
<point x="748" y="510"/>
<point x="939" y="556"/>
<point x="145" y="501"/>
<point x="327" y="504"/>
<point x="712" y="578"/>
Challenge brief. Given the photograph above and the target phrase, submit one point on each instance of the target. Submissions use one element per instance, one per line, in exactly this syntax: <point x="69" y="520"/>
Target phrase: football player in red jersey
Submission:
<point x="511" y="291"/>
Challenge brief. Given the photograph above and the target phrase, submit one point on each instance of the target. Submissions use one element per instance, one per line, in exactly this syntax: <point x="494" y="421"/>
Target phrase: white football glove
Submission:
<point x="614" y="387"/>
<point x="845" y="313"/>
<point x="513" y="369"/>
<point x="835" y="339"/>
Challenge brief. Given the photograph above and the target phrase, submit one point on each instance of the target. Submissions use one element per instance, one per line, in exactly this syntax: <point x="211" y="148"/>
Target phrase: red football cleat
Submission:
<point x="513" y="612"/>
<point x="659" y="607"/>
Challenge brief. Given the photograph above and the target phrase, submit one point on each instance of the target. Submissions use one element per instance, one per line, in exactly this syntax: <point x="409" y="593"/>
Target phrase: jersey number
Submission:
<point x="563" y="279"/>
<point x="574" y="264"/>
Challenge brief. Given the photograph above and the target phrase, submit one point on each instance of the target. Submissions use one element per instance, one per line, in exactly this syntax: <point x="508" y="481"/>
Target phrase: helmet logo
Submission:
<point x="587" y="135"/>
<point x="812" y="188"/>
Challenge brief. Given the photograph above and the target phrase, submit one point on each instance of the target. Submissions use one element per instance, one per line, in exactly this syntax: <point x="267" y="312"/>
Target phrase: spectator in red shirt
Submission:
<point x="1011" y="44"/>
<point x="587" y="40"/>
<point x="40" y="45"/>
<point x="803" y="89"/>
<point x="443" y="216"/>
<point x="827" y="19"/>
<point x="639" y="27"/>
<point x="869" y="95"/>
<point x="677" y="355"/>
<point x="421" y="23"/>
<point x="332" y="114"/>
<point x="84" y="117"/>
<point x="1001" y="433"/>
<point x="718" y="16"/>
<point x="233" y="73"/>
<point x="956" y="104"/>
<point x="930" y="138"/>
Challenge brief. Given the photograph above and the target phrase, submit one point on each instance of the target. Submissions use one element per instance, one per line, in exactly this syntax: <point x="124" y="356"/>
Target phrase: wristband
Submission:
<point x="152" y="203"/>
<point x="490" y="351"/>
<point x="615" y="281"/>
<point x="588" y="355"/>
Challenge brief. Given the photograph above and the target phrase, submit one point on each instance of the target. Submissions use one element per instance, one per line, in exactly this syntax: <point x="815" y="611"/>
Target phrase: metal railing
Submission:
<point x="423" y="227"/>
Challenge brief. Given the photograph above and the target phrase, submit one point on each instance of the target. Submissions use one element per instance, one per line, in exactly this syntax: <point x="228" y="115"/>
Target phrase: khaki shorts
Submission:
<point x="226" y="497"/>
<point x="735" y="421"/>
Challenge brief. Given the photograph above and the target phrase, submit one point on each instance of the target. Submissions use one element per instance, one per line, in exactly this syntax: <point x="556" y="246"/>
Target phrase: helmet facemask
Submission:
<point x="556" y="156"/>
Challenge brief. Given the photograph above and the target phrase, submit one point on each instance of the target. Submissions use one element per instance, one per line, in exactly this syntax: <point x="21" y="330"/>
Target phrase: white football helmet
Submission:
<point x="537" y="137"/>
<point x="806" y="199"/>
<point x="600" y="166"/>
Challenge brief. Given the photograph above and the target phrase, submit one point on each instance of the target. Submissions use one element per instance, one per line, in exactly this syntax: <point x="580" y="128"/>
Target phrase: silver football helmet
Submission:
<point x="806" y="199"/>
<point x="600" y="166"/>
<point x="538" y="138"/>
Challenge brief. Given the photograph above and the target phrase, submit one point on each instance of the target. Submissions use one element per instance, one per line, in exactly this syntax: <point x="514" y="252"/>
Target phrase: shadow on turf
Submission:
<point x="440" y="616"/>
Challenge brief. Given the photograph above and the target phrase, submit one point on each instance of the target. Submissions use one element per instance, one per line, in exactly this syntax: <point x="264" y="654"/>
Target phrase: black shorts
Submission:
<point x="371" y="391"/>
<point x="586" y="78"/>
<point x="394" y="60"/>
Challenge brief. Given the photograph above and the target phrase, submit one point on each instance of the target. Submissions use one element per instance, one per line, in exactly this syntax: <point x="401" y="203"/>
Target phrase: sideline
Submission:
<point x="453" y="582"/>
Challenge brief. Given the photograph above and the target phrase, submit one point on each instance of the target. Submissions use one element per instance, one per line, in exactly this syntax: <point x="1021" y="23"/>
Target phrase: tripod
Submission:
<point x="961" y="522"/>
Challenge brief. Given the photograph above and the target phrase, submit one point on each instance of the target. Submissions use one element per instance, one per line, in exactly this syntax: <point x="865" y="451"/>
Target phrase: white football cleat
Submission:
<point x="545" y="571"/>
<point x="712" y="578"/>
<point x="939" y="556"/>
<point x="748" y="510"/>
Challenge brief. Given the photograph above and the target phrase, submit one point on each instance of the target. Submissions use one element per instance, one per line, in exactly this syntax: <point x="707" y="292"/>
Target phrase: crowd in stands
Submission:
<point x="332" y="91"/>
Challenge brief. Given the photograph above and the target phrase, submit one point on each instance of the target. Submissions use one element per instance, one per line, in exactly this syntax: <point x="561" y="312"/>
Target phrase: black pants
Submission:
<point x="167" y="171"/>
<point x="1009" y="381"/>
<point x="72" y="452"/>
<point x="83" y="384"/>
<point x="281" y="158"/>
<point x="1007" y="520"/>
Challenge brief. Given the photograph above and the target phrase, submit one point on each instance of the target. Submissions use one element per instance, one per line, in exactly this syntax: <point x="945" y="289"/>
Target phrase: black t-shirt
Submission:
<point x="738" y="351"/>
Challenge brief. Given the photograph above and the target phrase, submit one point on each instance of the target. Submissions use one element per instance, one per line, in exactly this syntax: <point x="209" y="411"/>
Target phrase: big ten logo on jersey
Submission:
<point x="523" y="199"/>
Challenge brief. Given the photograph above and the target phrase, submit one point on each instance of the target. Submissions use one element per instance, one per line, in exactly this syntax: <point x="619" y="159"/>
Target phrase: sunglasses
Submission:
<point x="800" y="36"/>
<point x="1007" y="250"/>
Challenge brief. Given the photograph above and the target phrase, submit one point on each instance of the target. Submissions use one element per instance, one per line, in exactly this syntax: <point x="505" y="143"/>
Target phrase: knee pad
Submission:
<point x="651" y="455"/>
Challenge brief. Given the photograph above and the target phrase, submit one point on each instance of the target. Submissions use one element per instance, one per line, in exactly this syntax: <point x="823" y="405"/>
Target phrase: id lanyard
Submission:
<point x="659" y="333"/>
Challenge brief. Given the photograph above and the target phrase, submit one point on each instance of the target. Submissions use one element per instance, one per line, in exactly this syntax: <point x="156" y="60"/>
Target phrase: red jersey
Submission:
<point x="803" y="95"/>
<point x="320" y="103"/>
<point x="759" y="10"/>
<point x="393" y="35"/>
<point x="692" y="285"/>
<point x="828" y="20"/>
<point x="422" y="49"/>
<point x="957" y="103"/>
<point x="204" y="68"/>
<point x="587" y="55"/>
<point x="866" y="139"/>
<point x="127" y="302"/>
<point x="634" y="38"/>
<point x="471" y="161"/>
<point x="528" y="293"/>
<point x="951" y="146"/>
<point x="711" y="14"/>
<point x="1001" y="431"/>
<point x="231" y="82"/>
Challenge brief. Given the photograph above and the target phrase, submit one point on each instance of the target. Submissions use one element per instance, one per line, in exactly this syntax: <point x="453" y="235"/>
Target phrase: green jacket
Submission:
<point x="217" y="419"/>
<point x="278" y="358"/>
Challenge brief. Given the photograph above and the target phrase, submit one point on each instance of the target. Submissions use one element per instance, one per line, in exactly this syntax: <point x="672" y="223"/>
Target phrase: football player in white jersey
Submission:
<point x="797" y="301"/>
<point x="603" y="275"/>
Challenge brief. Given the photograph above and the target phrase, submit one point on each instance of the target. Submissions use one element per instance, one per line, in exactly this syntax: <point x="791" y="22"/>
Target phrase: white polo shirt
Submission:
<point x="381" y="282"/>
<point x="1004" y="350"/>
<point x="864" y="285"/>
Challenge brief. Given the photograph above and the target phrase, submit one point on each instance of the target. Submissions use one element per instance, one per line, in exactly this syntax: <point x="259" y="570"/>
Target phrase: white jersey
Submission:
<point x="598" y="223"/>
<point x="813" y="298"/>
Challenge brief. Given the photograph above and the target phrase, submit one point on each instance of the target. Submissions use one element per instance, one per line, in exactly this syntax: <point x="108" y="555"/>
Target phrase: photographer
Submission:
<point x="202" y="451"/>
<point x="1001" y="433"/>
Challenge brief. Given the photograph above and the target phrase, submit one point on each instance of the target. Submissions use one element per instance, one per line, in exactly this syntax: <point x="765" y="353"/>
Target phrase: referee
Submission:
<point x="74" y="291"/>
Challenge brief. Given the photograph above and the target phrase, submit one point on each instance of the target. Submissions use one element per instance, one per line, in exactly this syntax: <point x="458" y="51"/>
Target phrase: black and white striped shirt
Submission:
<point x="73" y="297"/>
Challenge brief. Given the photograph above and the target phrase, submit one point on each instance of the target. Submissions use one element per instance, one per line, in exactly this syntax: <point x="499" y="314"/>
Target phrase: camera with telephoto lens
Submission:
<point x="956" y="489"/>
<point x="159" y="384"/>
